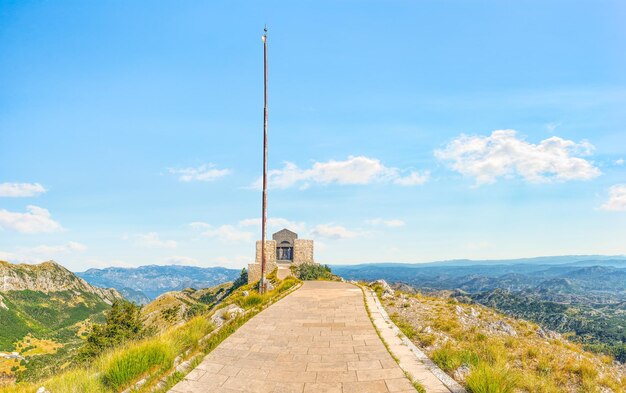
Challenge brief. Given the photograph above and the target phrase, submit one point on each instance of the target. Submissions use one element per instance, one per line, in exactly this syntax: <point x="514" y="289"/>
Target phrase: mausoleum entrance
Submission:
<point x="284" y="245"/>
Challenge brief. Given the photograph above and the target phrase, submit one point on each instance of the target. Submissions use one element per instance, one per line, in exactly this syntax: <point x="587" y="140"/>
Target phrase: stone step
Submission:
<point x="283" y="272"/>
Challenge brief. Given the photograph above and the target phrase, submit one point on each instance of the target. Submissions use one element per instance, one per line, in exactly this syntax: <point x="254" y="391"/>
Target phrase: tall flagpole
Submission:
<point x="262" y="283"/>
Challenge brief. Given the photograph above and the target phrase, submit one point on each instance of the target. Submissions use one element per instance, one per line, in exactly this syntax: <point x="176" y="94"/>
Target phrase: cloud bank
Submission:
<point x="206" y="172"/>
<point x="617" y="198"/>
<point x="330" y="231"/>
<point x="35" y="220"/>
<point x="356" y="170"/>
<point x="503" y="154"/>
<point x="21" y="189"/>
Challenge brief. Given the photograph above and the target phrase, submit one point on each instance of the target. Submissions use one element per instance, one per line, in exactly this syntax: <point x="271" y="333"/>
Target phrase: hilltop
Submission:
<point x="45" y="311"/>
<point x="48" y="277"/>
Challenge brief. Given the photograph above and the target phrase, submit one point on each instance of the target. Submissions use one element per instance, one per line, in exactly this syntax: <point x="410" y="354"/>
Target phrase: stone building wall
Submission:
<point x="302" y="252"/>
<point x="270" y="253"/>
<point x="254" y="269"/>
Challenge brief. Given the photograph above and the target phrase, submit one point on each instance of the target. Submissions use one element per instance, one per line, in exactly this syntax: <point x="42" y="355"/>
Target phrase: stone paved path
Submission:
<point x="318" y="339"/>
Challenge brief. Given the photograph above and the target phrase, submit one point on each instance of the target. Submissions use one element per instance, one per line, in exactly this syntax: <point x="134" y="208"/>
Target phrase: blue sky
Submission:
<point x="405" y="131"/>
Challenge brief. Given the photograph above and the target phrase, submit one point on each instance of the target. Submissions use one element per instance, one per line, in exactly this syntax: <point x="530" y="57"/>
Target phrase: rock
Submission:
<point x="217" y="319"/>
<point x="269" y="286"/>
<point x="382" y="283"/>
<point x="245" y="293"/>
<point x="43" y="390"/>
<point x="388" y="292"/>
<point x="459" y="310"/>
<point x="503" y="327"/>
<point x="461" y="373"/>
<point x="2" y="305"/>
<point x="226" y="313"/>
<point x="474" y="313"/>
<point x="547" y="334"/>
<point x="184" y="366"/>
<point x="177" y="360"/>
<point x="234" y="310"/>
<point x="387" y="295"/>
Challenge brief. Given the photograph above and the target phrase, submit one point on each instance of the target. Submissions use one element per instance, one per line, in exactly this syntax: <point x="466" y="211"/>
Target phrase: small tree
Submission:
<point x="123" y="323"/>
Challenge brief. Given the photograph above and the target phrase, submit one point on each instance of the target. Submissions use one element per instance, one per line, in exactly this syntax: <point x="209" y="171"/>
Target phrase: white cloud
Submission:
<point x="206" y="172"/>
<point x="274" y="223"/>
<point x="394" y="223"/>
<point x="41" y="253"/>
<point x="413" y="179"/>
<point x="619" y="161"/>
<point x="356" y="170"/>
<point x="35" y="220"/>
<point x="330" y="231"/>
<point x="224" y="233"/>
<point x="21" y="189"/>
<point x="57" y="249"/>
<point x="503" y="154"/>
<point x="152" y="239"/>
<point x="617" y="198"/>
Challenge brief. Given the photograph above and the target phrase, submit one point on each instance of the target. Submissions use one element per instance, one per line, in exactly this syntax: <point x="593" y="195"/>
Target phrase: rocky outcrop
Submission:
<point x="48" y="277"/>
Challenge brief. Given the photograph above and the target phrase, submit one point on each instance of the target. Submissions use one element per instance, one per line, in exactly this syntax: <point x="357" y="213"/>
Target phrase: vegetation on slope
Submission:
<point x="600" y="327"/>
<point x="492" y="353"/>
<point x="44" y="310"/>
<point x="156" y="360"/>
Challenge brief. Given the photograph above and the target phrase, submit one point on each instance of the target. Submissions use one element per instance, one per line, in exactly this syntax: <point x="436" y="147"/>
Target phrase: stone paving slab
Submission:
<point x="317" y="339"/>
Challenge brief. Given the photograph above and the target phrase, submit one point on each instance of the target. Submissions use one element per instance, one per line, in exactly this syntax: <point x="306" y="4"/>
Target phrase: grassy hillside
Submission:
<point x="44" y="310"/>
<point x="175" y="307"/>
<point x="489" y="352"/>
<point x="157" y="360"/>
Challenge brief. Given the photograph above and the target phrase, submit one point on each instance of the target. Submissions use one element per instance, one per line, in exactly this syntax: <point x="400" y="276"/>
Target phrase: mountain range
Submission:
<point x="584" y="296"/>
<point x="146" y="283"/>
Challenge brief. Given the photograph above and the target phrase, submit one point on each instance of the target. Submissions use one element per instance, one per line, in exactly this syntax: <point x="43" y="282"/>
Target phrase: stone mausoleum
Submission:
<point x="282" y="252"/>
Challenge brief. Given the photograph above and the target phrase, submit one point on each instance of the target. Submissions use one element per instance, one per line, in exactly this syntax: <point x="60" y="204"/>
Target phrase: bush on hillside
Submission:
<point x="123" y="323"/>
<point x="312" y="272"/>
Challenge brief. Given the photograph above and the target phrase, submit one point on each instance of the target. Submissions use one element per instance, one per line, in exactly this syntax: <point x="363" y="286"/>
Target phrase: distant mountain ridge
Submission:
<point x="580" y="294"/>
<point x="48" y="277"/>
<point x="145" y="283"/>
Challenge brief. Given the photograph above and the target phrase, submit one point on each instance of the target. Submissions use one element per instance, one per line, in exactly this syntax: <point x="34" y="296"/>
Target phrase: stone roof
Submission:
<point x="284" y="238"/>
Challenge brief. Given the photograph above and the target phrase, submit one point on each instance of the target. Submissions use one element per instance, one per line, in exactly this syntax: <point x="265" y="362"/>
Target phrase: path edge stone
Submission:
<point x="420" y="356"/>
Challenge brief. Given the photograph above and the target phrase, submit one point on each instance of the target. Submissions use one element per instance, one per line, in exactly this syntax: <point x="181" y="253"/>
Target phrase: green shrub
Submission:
<point x="312" y="272"/>
<point x="486" y="378"/>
